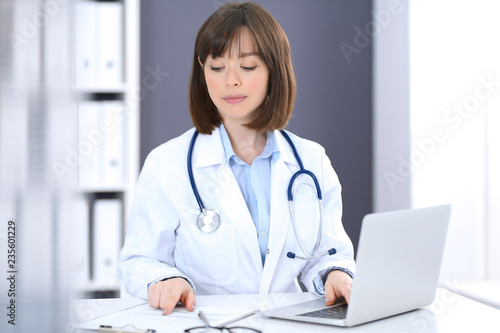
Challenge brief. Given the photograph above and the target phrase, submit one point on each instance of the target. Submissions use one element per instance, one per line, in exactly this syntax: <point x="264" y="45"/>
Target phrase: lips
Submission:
<point x="234" y="99"/>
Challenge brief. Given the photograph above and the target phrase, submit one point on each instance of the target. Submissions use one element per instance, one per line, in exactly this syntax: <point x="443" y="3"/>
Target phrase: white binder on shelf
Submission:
<point x="85" y="43"/>
<point x="109" y="44"/>
<point x="80" y="244"/>
<point x="113" y="165"/>
<point x="90" y="140"/>
<point x="106" y="241"/>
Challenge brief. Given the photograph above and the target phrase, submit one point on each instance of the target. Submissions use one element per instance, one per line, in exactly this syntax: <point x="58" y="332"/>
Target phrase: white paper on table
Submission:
<point x="146" y="317"/>
<point x="84" y="310"/>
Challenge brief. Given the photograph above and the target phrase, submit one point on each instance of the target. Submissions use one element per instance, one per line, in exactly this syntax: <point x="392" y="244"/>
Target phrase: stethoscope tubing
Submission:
<point x="190" y="173"/>
<point x="289" y="193"/>
<point x="300" y="172"/>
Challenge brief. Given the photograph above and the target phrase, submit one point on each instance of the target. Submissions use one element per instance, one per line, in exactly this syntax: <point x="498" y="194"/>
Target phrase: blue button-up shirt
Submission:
<point x="255" y="184"/>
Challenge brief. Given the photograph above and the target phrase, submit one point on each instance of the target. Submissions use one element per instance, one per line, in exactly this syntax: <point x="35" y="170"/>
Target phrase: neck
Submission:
<point x="247" y="143"/>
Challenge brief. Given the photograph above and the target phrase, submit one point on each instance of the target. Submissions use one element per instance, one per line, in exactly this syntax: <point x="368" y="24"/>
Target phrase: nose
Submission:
<point x="233" y="78"/>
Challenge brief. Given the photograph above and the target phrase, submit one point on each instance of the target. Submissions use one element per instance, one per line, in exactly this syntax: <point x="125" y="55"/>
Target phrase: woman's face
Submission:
<point x="238" y="81"/>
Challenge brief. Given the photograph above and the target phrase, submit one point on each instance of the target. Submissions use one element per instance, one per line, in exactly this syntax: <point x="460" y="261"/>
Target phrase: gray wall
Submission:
<point x="333" y="105"/>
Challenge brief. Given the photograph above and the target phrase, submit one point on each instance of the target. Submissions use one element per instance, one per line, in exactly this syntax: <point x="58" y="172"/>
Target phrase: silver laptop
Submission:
<point x="398" y="265"/>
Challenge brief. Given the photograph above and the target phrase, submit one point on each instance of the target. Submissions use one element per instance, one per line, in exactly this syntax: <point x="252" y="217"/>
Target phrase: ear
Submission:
<point x="201" y="64"/>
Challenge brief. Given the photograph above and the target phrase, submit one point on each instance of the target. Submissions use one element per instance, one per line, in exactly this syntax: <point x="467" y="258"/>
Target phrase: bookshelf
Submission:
<point x="107" y="89"/>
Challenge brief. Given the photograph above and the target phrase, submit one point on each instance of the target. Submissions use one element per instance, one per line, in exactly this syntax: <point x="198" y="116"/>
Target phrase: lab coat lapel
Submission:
<point x="228" y="193"/>
<point x="281" y="174"/>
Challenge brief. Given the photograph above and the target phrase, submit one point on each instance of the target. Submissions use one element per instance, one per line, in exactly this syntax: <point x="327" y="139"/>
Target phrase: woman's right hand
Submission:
<point x="165" y="294"/>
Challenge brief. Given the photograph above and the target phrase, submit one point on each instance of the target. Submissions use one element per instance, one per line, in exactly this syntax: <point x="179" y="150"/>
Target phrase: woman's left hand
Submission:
<point x="338" y="283"/>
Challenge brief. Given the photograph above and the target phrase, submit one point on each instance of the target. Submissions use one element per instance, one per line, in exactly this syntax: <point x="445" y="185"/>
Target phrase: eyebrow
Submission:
<point x="248" y="54"/>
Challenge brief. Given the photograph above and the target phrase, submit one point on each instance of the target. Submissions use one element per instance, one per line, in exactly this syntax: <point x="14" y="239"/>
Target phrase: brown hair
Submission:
<point x="219" y="32"/>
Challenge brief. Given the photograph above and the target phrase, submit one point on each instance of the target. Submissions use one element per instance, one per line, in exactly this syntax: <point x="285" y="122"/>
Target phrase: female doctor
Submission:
<point x="211" y="213"/>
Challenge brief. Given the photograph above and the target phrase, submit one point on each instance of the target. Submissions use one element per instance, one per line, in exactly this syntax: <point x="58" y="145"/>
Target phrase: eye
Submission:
<point x="215" y="69"/>
<point x="248" y="69"/>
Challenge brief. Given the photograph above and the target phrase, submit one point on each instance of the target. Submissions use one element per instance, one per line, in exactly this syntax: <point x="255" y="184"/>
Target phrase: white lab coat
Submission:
<point x="163" y="239"/>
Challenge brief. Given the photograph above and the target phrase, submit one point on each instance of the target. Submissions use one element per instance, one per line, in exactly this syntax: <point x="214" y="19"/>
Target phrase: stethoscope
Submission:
<point x="209" y="220"/>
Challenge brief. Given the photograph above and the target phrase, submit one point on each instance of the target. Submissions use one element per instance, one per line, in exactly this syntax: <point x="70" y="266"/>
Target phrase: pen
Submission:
<point x="123" y="329"/>
<point x="204" y="318"/>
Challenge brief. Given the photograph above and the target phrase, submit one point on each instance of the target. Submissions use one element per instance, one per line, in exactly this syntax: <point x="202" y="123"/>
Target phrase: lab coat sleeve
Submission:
<point x="147" y="255"/>
<point x="334" y="233"/>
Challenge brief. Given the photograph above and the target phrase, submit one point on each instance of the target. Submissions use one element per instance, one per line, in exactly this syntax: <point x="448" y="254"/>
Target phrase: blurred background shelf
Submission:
<point x="106" y="62"/>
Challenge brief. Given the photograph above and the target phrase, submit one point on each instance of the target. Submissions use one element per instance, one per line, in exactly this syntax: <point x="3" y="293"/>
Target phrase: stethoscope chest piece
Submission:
<point x="208" y="220"/>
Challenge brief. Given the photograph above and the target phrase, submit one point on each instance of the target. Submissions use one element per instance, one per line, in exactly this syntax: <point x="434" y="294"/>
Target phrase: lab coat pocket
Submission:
<point x="210" y="257"/>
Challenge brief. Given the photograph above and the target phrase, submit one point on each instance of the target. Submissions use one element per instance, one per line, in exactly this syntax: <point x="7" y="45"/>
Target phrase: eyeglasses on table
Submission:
<point x="223" y="329"/>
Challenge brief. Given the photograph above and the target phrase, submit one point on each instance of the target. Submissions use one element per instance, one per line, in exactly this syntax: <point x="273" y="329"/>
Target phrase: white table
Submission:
<point x="450" y="312"/>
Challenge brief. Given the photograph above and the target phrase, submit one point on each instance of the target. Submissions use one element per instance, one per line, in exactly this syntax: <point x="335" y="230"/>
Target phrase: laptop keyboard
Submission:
<point x="333" y="312"/>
